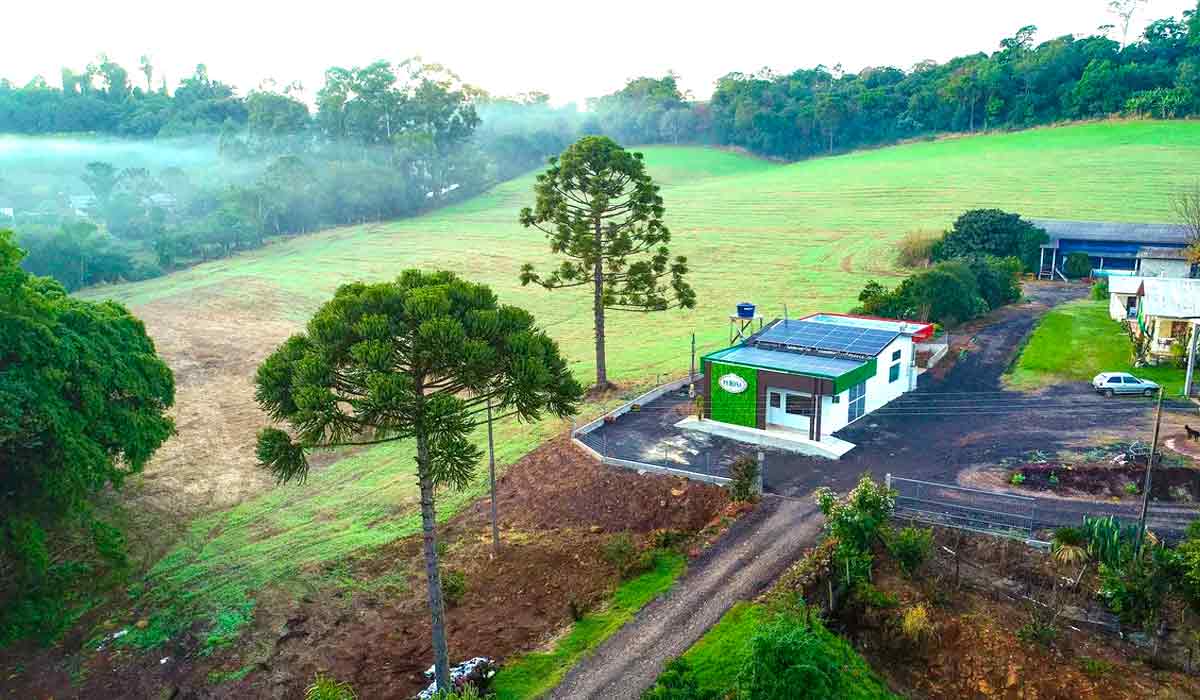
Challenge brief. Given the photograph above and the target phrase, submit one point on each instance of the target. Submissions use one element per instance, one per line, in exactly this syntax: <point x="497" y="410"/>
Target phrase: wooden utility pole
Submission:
<point x="492" y="479"/>
<point x="1149" y="471"/>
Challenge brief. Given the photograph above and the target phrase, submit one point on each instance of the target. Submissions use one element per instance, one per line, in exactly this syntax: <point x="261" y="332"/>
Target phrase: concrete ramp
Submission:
<point x="828" y="447"/>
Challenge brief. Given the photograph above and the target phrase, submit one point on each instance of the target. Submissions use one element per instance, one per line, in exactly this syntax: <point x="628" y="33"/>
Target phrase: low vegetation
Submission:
<point x="979" y="263"/>
<point x="915" y="248"/>
<point x="1075" y="342"/>
<point x="533" y="674"/>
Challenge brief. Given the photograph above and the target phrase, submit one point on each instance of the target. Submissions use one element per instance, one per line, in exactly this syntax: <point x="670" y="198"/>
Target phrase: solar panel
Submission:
<point x="828" y="337"/>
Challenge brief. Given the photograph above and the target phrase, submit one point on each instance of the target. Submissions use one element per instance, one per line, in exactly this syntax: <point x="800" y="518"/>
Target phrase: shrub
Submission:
<point x="1094" y="667"/>
<point x="466" y="692"/>
<point x="1108" y="541"/>
<point x="1069" y="546"/>
<point x="326" y="688"/>
<point x="1017" y="479"/>
<point x="998" y="279"/>
<point x="1037" y="631"/>
<point x="454" y="586"/>
<point x="992" y="232"/>
<point x="744" y="484"/>
<point x="670" y="539"/>
<point x="870" y="596"/>
<point x="678" y="682"/>
<point x="1136" y="590"/>
<point x="1077" y="266"/>
<point x="915" y="249"/>
<point x="621" y="552"/>
<point x="1131" y="488"/>
<point x="915" y="624"/>
<point x="856" y="519"/>
<point x="911" y="547"/>
<point x="788" y="661"/>
<point x="1100" y="289"/>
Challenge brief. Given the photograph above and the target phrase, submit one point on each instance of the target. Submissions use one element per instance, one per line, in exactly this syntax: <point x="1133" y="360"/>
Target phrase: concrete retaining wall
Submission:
<point x="644" y="399"/>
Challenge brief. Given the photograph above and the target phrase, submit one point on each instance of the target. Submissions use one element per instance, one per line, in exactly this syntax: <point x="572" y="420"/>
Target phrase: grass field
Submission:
<point x="807" y="235"/>
<point x="1077" y="341"/>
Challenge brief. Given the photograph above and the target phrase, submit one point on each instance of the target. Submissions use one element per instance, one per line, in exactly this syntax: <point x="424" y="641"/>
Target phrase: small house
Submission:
<point x="1159" y="309"/>
<point x="809" y="377"/>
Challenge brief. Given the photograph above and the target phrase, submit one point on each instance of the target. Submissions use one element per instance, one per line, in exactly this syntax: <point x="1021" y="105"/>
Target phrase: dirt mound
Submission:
<point x="557" y="486"/>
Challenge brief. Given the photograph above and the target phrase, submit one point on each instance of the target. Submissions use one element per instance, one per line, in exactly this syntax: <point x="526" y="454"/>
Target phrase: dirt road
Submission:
<point x="746" y="560"/>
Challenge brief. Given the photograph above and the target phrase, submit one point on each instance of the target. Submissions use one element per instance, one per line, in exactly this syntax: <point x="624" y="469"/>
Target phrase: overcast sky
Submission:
<point x="571" y="50"/>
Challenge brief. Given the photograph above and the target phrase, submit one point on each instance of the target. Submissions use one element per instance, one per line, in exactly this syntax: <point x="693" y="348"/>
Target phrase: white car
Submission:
<point x="1112" y="383"/>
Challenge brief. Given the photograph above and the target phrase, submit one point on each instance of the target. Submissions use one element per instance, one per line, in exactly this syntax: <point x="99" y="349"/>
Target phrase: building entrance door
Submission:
<point x="789" y="409"/>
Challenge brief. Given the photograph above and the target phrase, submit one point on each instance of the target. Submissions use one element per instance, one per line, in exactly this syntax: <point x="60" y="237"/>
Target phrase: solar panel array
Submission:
<point x="798" y="363"/>
<point x="828" y="337"/>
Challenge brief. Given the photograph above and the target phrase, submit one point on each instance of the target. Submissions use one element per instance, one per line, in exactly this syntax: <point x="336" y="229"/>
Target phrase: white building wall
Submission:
<point x="1117" y="306"/>
<point x="1164" y="267"/>
<point x="834" y="416"/>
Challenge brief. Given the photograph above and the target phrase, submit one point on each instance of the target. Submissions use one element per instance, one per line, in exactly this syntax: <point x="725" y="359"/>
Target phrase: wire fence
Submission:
<point x="965" y="508"/>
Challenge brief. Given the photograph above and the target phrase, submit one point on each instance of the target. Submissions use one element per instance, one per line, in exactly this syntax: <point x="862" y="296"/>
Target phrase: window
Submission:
<point x="1114" y="380"/>
<point x="798" y="405"/>
<point x="774" y="400"/>
<point x="896" y="356"/>
<point x="837" y="398"/>
<point x="858" y="402"/>
<point x="1179" y="329"/>
<point x="893" y="373"/>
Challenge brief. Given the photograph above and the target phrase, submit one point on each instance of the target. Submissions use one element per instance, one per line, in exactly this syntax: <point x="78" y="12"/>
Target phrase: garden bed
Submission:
<point x="1169" y="484"/>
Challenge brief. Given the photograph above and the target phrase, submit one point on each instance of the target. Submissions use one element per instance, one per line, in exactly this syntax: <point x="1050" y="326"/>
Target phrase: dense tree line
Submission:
<point x="822" y="110"/>
<point x="387" y="140"/>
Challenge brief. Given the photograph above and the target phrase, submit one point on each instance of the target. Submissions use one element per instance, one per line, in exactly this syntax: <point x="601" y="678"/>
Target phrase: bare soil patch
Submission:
<point x="976" y="650"/>
<point x="370" y="625"/>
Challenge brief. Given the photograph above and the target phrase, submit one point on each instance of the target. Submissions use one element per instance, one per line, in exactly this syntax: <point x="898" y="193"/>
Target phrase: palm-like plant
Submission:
<point x="1069" y="546"/>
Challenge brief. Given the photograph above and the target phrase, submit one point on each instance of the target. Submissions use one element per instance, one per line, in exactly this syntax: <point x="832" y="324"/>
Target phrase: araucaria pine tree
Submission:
<point x="421" y="359"/>
<point x="603" y="214"/>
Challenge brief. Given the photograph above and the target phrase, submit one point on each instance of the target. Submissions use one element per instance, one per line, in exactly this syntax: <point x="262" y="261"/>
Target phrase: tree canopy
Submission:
<point x="602" y="213"/>
<point x="992" y="232"/>
<point x="83" y="404"/>
<point x="420" y="358"/>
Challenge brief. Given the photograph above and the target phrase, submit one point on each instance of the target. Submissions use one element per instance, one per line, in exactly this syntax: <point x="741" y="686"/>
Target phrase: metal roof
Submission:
<point x="1124" y="285"/>
<point x="1112" y="231"/>
<point x="785" y="361"/>
<point x="1167" y="297"/>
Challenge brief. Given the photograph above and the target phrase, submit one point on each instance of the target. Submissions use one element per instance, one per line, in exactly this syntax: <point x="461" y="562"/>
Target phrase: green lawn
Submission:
<point x="533" y="674"/>
<point x="1077" y="341"/>
<point x="717" y="658"/>
<point x="807" y="235"/>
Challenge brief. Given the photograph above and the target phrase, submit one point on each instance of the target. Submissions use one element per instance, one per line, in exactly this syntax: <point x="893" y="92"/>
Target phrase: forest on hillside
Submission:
<point x="213" y="172"/>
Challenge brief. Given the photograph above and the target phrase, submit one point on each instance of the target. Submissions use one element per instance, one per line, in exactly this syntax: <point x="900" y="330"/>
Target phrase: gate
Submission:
<point x="965" y="508"/>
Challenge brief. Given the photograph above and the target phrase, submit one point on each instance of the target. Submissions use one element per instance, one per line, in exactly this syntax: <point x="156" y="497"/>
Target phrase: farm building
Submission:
<point x="810" y="377"/>
<point x="1116" y="249"/>
<point x="1160" y="309"/>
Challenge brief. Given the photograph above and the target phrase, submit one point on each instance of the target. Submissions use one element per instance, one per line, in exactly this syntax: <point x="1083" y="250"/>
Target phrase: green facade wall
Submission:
<point x="855" y="376"/>
<point x="738" y="409"/>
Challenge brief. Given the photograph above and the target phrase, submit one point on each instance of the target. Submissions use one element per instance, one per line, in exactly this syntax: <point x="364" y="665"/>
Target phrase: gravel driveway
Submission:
<point x="749" y="557"/>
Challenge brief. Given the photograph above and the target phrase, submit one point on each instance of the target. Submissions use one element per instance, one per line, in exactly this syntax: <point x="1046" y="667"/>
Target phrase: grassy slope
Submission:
<point x="533" y="674"/>
<point x="807" y="234"/>
<point x="717" y="658"/>
<point x="1077" y="341"/>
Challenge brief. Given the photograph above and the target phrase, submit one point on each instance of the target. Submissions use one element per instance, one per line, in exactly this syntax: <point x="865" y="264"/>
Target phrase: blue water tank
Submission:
<point x="745" y="310"/>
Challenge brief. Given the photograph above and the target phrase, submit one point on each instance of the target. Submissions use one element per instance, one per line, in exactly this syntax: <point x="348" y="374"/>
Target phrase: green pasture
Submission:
<point x="807" y="235"/>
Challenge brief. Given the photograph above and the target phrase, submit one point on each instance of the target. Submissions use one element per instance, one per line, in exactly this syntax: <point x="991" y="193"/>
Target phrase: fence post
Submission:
<point x="887" y="481"/>
<point x="604" y="445"/>
<point x="762" y="469"/>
